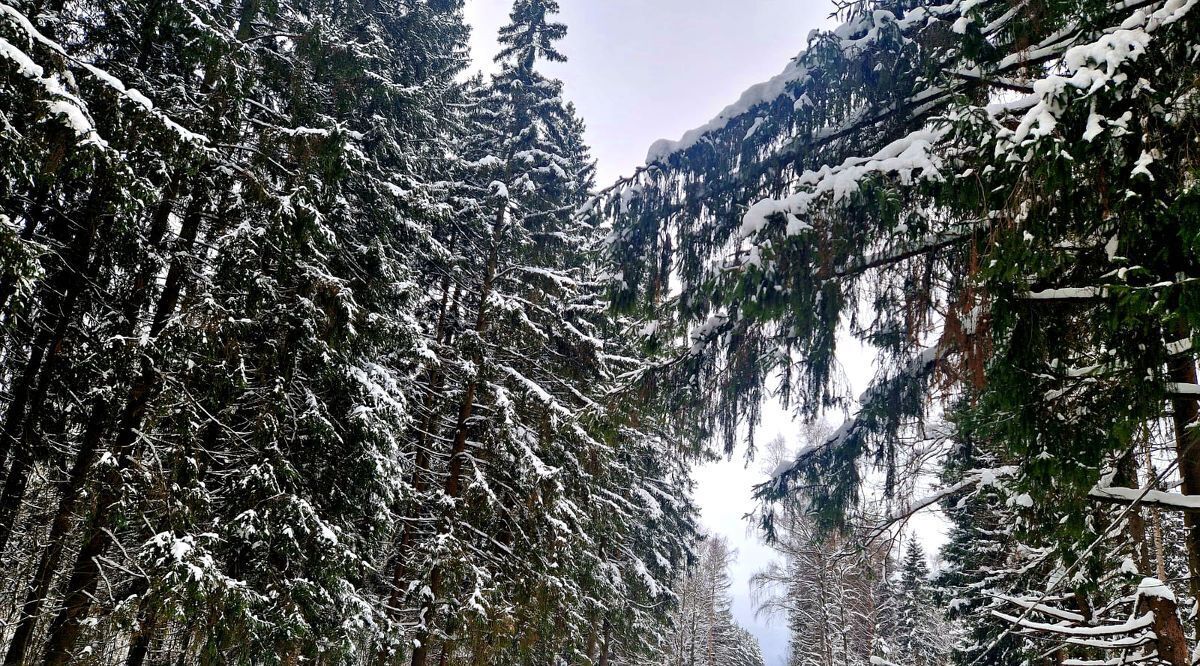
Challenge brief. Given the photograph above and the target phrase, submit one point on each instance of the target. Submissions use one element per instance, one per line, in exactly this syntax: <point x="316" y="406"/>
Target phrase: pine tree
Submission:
<point x="507" y="545"/>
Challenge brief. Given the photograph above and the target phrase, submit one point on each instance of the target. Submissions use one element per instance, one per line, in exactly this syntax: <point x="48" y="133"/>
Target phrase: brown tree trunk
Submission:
<point x="1170" y="642"/>
<point x="458" y="451"/>
<point x="139" y="647"/>
<point x="604" y="646"/>
<point x="421" y="459"/>
<point x="1127" y="476"/>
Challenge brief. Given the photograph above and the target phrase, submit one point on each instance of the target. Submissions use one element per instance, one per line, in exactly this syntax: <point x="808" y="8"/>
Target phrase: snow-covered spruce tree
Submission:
<point x="920" y="631"/>
<point x="224" y="341"/>
<point x="1000" y="199"/>
<point x="983" y="557"/>
<point x="644" y="522"/>
<point x="522" y="542"/>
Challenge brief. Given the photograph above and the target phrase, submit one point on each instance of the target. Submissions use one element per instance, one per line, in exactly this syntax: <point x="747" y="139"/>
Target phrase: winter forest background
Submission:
<point x="320" y="348"/>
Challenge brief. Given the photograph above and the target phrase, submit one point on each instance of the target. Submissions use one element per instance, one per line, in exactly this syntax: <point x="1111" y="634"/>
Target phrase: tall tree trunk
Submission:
<point x="1170" y="642"/>
<point x="458" y="450"/>
<point x="85" y="457"/>
<point x="604" y="646"/>
<point x="1127" y="476"/>
<point x="139" y="647"/>
<point x="29" y="396"/>
<point x="85" y="573"/>
<point x="435" y="382"/>
<point x="60" y="138"/>
<point x="1155" y="515"/>
<point x="39" y="588"/>
<point x="1185" y="411"/>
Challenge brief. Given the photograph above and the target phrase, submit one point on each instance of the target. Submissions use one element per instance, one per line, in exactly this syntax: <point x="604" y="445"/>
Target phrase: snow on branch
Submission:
<point x="905" y="156"/>
<point x="1145" y="621"/>
<point x="761" y="93"/>
<point x="797" y="71"/>
<point x="73" y="109"/>
<point x="974" y="478"/>
<point x="1147" y="497"/>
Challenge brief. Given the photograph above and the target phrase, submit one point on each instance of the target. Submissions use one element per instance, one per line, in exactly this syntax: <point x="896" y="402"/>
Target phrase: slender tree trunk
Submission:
<point x="1155" y="515"/>
<point x="85" y="576"/>
<point x="421" y="459"/>
<point x="39" y="588"/>
<point x="1127" y="476"/>
<point x="85" y="460"/>
<point x="139" y="647"/>
<point x="63" y="292"/>
<point x="38" y="212"/>
<point x="604" y="646"/>
<point x="1187" y="445"/>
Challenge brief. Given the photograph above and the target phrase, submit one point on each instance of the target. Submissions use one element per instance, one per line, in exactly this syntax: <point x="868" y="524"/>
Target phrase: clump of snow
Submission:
<point x="904" y="157"/>
<point x="1094" y="126"/>
<point x="1155" y="588"/>
<point x="702" y="334"/>
<point x="1142" y="167"/>
<point x="628" y="195"/>
<point x="758" y="123"/>
<point x="66" y="105"/>
<point x="74" y="116"/>
<point x="761" y="93"/>
<point x="487" y="162"/>
<point x="25" y="65"/>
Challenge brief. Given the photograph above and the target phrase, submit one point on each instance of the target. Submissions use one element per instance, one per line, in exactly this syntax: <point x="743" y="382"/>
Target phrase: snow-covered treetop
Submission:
<point x="531" y="34"/>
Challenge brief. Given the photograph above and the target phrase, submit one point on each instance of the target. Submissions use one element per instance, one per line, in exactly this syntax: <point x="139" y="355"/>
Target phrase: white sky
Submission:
<point x="641" y="70"/>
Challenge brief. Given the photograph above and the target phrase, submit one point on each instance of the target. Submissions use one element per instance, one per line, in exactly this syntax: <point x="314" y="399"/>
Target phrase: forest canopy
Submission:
<point x="316" y="349"/>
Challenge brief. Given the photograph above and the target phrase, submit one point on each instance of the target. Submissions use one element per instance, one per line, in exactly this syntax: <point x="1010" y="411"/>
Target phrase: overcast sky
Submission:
<point x="641" y="70"/>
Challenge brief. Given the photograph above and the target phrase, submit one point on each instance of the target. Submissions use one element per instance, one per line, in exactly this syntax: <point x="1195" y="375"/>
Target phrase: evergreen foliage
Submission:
<point x="999" y="199"/>
<point x="305" y="357"/>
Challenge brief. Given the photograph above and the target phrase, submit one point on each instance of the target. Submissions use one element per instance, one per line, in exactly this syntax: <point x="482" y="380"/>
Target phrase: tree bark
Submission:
<point x="39" y="588"/>
<point x="1184" y="415"/>
<point x="458" y="451"/>
<point x="85" y="457"/>
<point x="85" y="576"/>
<point x="604" y="646"/>
<point x="139" y="647"/>
<point x="421" y="458"/>
<point x="1127" y="475"/>
<point x="1170" y="642"/>
<point x="62" y="294"/>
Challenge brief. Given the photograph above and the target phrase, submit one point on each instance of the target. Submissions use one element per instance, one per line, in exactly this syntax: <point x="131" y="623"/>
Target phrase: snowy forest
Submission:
<point x="317" y="348"/>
